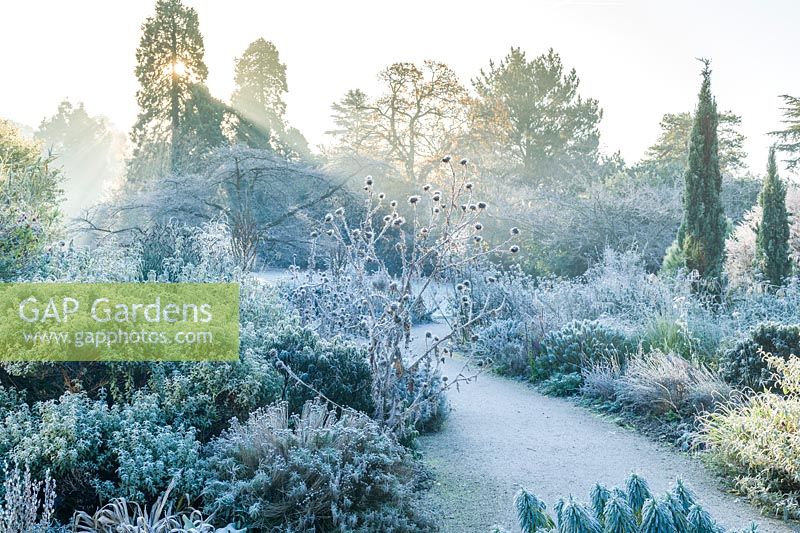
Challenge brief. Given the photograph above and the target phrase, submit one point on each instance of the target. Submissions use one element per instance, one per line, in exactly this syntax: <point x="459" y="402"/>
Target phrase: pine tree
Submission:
<point x="701" y="237"/>
<point x="169" y="64"/>
<point x="772" y="239"/>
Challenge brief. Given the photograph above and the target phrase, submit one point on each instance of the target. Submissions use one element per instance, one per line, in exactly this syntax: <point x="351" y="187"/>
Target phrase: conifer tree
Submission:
<point x="701" y="237"/>
<point x="772" y="239"/>
<point x="169" y="65"/>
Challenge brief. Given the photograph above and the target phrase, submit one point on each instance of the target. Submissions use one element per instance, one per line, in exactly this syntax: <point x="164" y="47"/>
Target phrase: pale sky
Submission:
<point x="636" y="57"/>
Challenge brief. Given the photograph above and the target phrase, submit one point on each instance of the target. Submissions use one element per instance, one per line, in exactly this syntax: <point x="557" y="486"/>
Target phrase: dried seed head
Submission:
<point x="446" y="159"/>
<point x="387" y="219"/>
<point x="491" y="279"/>
<point x="514" y="231"/>
<point x="393" y="204"/>
<point x="329" y="233"/>
<point x="478" y="226"/>
<point x="368" y="181"/>
<point x="478" y="238"/>
<point x="469" y="186"/>
<point x="381" y="195"/>
<point x="413" y="199"/>
<point x="329" y="217"/>
<point x="514" y="249"/>
<point x="339" y="212"/>
<point x="426" y="187"/>
<point x="464" y="161"/>
<point x="399" y="221"/>
<point x="481" y="205"/>
<point x="314" y="234"/>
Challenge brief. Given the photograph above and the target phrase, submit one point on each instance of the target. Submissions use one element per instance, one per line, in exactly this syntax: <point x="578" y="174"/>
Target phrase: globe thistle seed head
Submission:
<point x="381" y="195"/>
<point x="446" y="159"/>
<point x="436" y="209"/>
<point x="474" y="338"/>
<point x="514" y="249"/>
<point x="491" y="279"/>
<point x="339" y="212"/>
<point x="399" y="221"/>
<point x="478" y="226"/>
<point x="428" y="334"/>
<point x="481" y="205"/>
<point x="368" y="181"/>
<point x="463" y="207"/>
<point x="394" y="306"/>
<point x="393" y="204"/>
<point x="329" y="233"/>
<point x="314" y="234"/>
<point x="469" y="185"/>
<point x="478" y="238"/>
<point x="329" y="217"/>
<point x="460" y="287"/>
<point x="413" y="199"/>
<point x="514" y="231"/>
<point x="387" y="219"/>
<point x="466" y="283"/>
<point x="473" y="207"/>
<point x="464" y="161"/>
<point x="426" y="187"/>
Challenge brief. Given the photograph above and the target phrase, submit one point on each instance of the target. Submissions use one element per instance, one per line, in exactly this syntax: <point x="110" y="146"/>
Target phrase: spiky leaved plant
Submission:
<point x="700" y="521"/>
<point x="618" y="516"/>
<point x="575" y="518"/>
<point x="657" y="517"/>
<point x="678" y="514"/>
<point x="599" y="495"/>
<point x="684" y="495"/>
<point x="638" y="492"/>
<point x="531" y="512"/>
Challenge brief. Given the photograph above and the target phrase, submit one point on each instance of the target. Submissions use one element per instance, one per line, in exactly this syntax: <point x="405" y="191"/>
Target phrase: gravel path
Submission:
<point x="502" y="434"/>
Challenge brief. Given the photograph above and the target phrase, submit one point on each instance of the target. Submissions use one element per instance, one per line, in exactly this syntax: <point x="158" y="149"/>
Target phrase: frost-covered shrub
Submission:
<point x="744" y="364"/>
<point x="505" y="345"/>
<point x="658" y="383"/>
<point x="600" y="380"/>
<point x="756" y="441"/>
<point x="26" y="505"/>
<point x="315" y="471"/>
<point x="95" y="451"/>
<point x="740" y="246"/>
<point x="337" y="370"/>
<point x="633" y="509"/>
<point x="106" y="261"/>
<point x="174" y="251"/>
<point x="576" y="346"/>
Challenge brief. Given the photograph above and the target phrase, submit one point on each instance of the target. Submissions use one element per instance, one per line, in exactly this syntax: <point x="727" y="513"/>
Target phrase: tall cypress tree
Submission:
<point x="701" y="237"/>
<point x="772" y="239"/>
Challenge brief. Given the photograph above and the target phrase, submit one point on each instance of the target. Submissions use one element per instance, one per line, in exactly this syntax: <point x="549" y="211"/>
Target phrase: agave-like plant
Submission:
<point x="615" y="511"/>
<point x="599" y="495"/>
<point x="638" y="493"/>
<point x="531" y="512"/>
<point x="618" y="516"/>
<point x="701" y="522"/>
<point x="684" y="495"/>
<point x="122" y="516"/>
<point x="575" y="518"/>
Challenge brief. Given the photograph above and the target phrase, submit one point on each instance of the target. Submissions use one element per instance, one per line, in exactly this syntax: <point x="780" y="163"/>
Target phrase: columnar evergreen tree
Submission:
<point x="169" y="63"/>
<point x="701" y="237"/>
<point x="772" y="239"/>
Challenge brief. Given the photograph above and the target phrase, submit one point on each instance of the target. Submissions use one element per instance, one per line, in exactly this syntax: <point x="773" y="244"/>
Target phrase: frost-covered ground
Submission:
<point x="502" y="434"/>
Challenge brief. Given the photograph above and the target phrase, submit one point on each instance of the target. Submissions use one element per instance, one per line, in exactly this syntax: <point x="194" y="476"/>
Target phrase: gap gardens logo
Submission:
<point x="119" y="322"/>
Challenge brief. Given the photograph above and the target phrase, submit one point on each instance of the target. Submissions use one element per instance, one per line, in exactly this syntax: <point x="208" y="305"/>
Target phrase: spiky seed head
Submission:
<point x="514" y="249"/>
<point x="413" y="199"/>
<point x="426" y="187"/>
<point x="446" y="159"/>
<point x="393" y="204"/>
<point x="469" y="185"/>
<point x="329" y="217"/>
<point x="464" y="161"/>
<point x="478" y="226"/>
<point x="481" y="205"/>
<point x="368" y="181"/>
<point x="514" y="231"/>
<point x="339" y="212"/>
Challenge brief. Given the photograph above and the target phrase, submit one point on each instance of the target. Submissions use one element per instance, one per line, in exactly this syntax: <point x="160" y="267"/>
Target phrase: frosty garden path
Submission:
<point x="502" y="434"/>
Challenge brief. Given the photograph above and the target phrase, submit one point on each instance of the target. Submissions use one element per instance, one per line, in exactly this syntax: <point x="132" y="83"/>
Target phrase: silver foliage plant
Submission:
<point x="27" y="505"/>
<point x="381" y="270"/>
